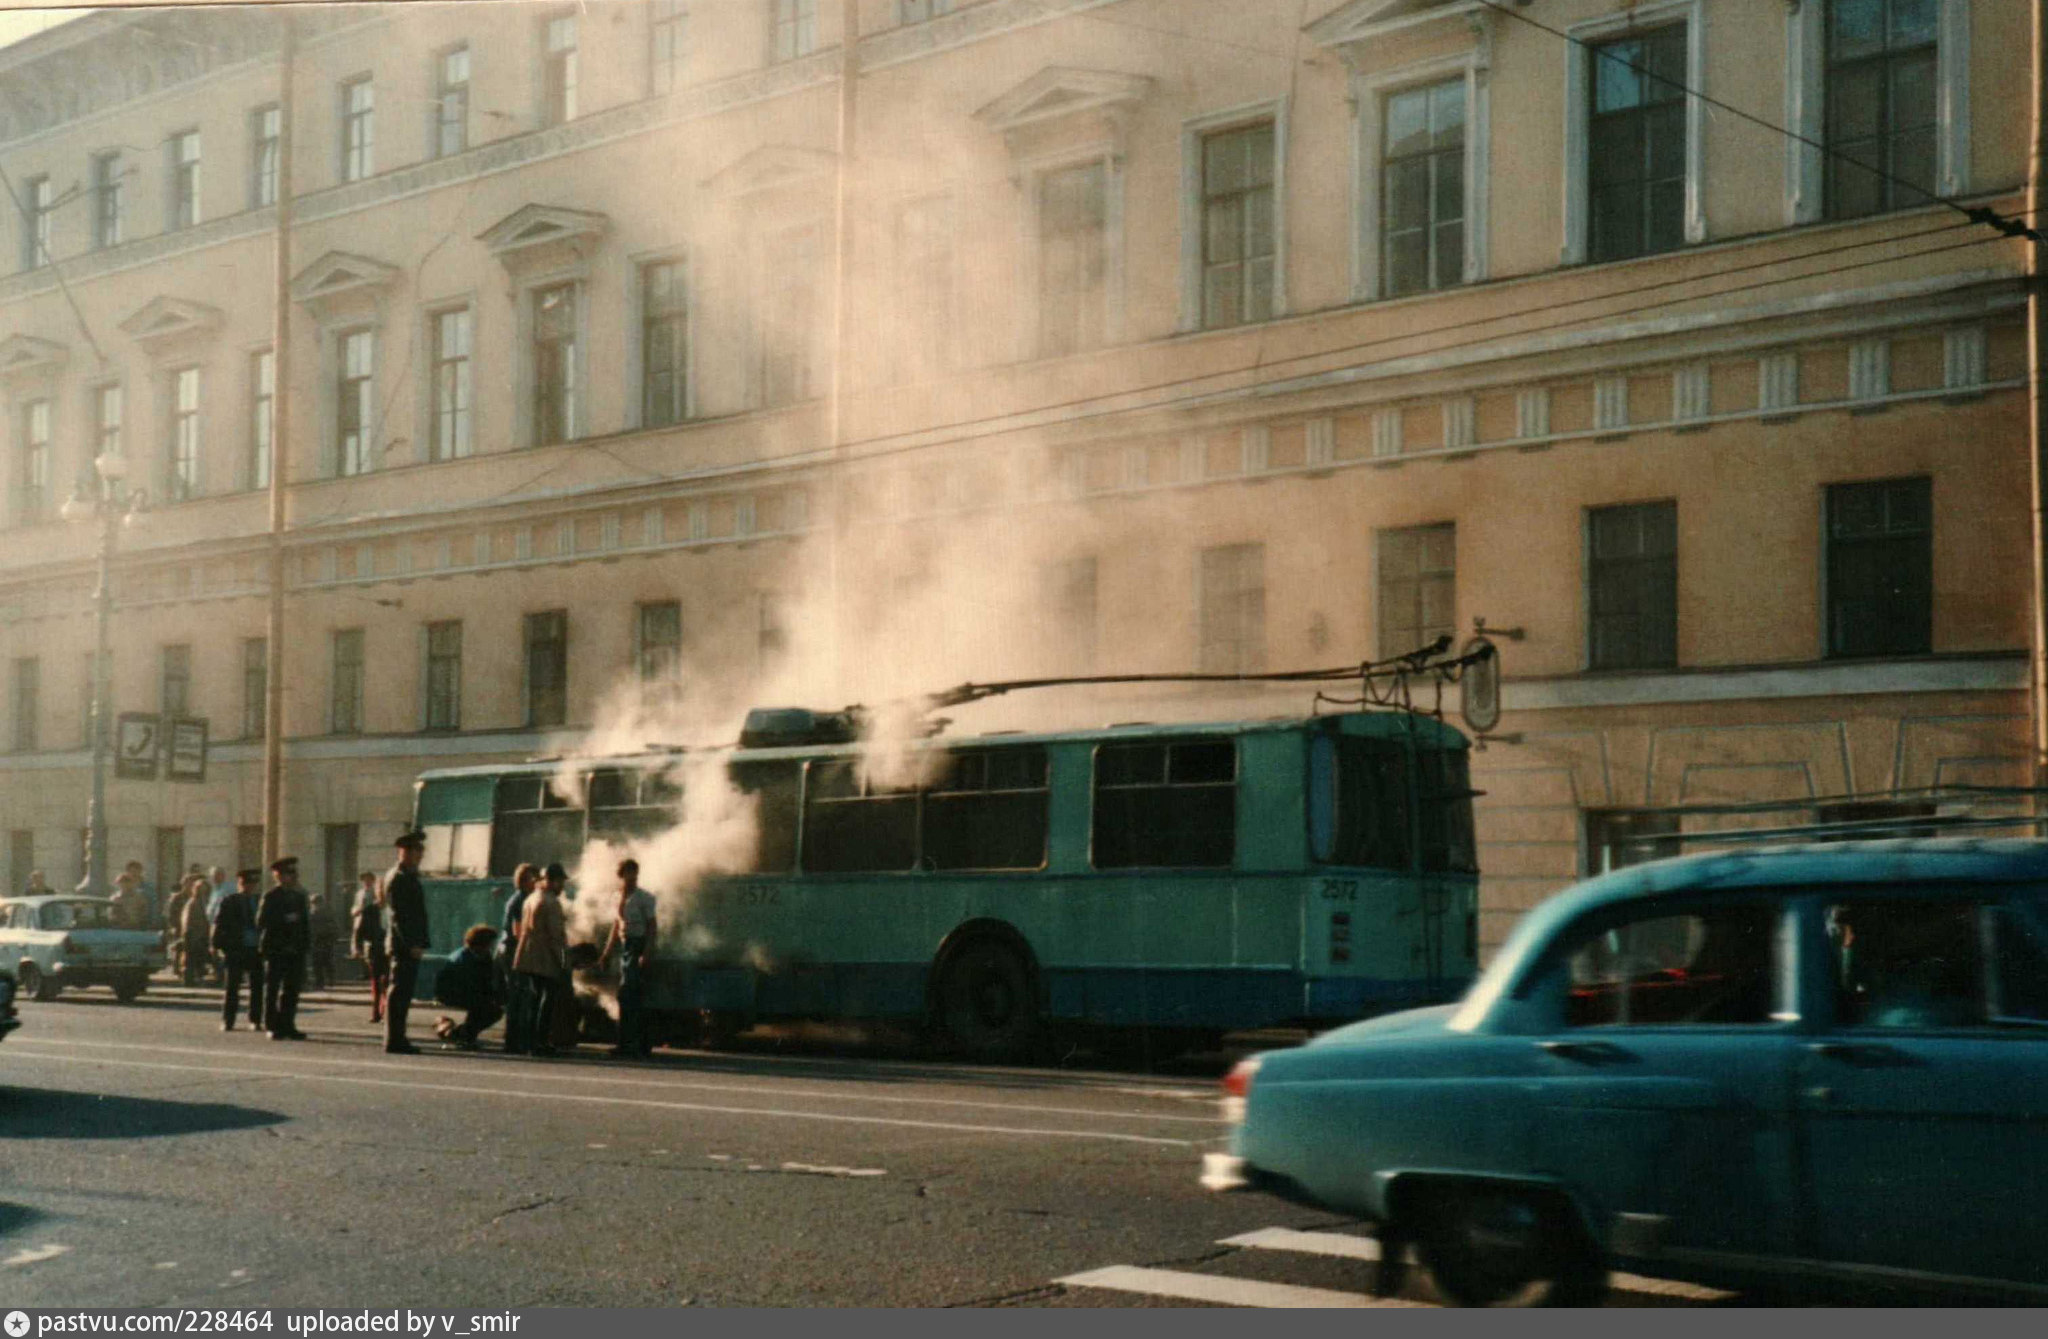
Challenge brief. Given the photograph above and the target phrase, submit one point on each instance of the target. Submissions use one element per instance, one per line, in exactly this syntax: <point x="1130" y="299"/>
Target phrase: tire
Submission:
<point x="128" y="988"/>
<point x="29" y="979"/>
<point x="1484" y="1245"/>
<point x="987" y="1001"/>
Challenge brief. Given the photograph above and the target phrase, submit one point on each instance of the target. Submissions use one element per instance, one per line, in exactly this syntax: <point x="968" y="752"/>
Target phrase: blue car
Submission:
<point x="1824" y="1062"/>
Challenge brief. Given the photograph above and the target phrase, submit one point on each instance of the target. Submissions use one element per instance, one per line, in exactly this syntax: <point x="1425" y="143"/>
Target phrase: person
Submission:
<point x="235" y="939"/>
<point x="366" y="939"/>
<point x="469" y="981"/>
<point x="405" y="905"/>
<point x="145" y="893"/>
<point x="36" y="886"/>
<point x="218" y="888"/>
<point x="632" y="937"/>
<point x="543" y="958"/>
<point x="517" y="1006"/>
<point x="284" y="934"/>
<point x="195" y="935"/>
<point x="324" y="934"/>
<point x="172" y="935"/>
<point x="127" y="902"/>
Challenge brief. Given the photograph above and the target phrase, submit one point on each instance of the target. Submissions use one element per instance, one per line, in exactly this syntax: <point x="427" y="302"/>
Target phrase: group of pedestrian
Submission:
<point x="265" y="940"/>
<point x="188" y="925"/>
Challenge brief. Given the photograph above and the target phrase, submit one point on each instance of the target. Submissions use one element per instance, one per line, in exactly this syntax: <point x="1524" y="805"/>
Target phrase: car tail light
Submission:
<point x="1238" y="1082"/>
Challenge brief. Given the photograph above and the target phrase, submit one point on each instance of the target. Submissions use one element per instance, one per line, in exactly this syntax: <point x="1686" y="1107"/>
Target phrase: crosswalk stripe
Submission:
<point x="1227" y="1291"/>
<point x="1308" y="1243"/>
<point x="1636" y="1283"/>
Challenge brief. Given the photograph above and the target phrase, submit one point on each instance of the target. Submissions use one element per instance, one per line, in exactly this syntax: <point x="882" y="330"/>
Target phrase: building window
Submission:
<point x="547" y="668"/>
<point x="558" y="82"/>
<point x="667" y="29"/>
<point x="1073" y="258"/>
<point x="28" y="687"/>
<point x="32" y="471"/>
<point x="1880" y="568"/>
<point x="183" y="152"/>
<point x="1231" y="609"/>
<point x="795" y="25"/>
<point x="21" y="858"/>
<point x="109" y="210"/>
<point x="924" y="286"/>
<point x="1636" y="162"/>
<point x="554" y="364"/>
<point x="262" y="400"/>
<point x="1238" y="239"/>
<point x="1618" y="838"/>
<point x="664" y="343"/>
<point x="106" y="420"/>
<point x="789" y="317"/>
<point x="266" y="129"/>
<point x="917" y="11"/>
<point x="444" y="676"/>
<point x="658" y="643"/>
<point x="1632" y="586"/>
<point x="175" y="695"/>
<point x="355" y="410"/>
<point x="358" y="129"/>
<point x="35" y="233"/>
<point x="1422" y="189"/>
<point x="451" y="102"/>
<point x="255" y="685"/>
<point x="1417" y="583"/>
<point x="1883" y="106"/>
<point x="450" y="435"/>
<point x="182" y="478"/>
<point x="345" y="682"/>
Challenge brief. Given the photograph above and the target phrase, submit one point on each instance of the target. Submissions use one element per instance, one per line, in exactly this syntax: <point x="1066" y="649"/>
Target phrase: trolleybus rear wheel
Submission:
<point x="986" y="1001"/>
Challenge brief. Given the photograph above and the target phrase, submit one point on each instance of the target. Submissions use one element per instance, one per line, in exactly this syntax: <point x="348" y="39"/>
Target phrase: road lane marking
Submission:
<point x="586" y="1099"/>
<point x="1307" y="1243"/>
<point x="33" y="1255"/>
<point x="1228" y="1291"/>
<point x="585" y="1078"/>
<point x="812" y="1169"/>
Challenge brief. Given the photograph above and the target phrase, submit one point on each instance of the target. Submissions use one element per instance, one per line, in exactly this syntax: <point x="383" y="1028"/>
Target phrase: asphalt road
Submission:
<point x="153" y="1160"/>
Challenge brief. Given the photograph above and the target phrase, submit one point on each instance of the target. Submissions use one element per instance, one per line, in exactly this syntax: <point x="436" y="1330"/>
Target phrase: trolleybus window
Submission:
<point x="455" y="814"/>
<point x="1166" y="805"/>
<point x="1443" y="801"/>
<point x="774" y="788"/>
<point x="1359" y="802"/>
<point x="988" y="811"/>
<point x="853" y="827"/>
<point x="625" y="805"/>
<point x="531" y="822"/>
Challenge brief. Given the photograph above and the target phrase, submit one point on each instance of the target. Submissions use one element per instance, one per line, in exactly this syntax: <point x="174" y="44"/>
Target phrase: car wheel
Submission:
<point x="986" y="1002"/>
<point x="1484" y="1245"/>
<point x="32" y="983"/>
<point x="128" y="988"/>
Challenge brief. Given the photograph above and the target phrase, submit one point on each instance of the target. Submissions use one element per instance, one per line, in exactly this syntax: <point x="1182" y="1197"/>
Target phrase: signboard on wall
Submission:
<point x="185" y="750"/>
<point x="136" y="745"/>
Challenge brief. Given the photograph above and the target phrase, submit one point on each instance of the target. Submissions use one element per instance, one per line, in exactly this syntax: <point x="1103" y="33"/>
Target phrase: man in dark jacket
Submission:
<point x="406" y="904"/>
<point x="234" y="938"/>
<point x="469" y="981"/>
<point x="283" y="935"/>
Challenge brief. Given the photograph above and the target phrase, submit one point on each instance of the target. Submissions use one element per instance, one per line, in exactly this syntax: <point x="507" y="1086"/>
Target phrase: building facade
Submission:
<point x="1176" y="337"/>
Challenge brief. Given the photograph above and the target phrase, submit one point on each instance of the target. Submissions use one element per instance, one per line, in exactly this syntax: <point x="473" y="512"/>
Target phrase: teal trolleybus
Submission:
<point x="1189" y="878"/>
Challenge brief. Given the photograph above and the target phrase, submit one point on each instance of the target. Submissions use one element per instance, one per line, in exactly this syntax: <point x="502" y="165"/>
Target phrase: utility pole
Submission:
<point x="842" y="324"/>
<point x="280" y="457"/>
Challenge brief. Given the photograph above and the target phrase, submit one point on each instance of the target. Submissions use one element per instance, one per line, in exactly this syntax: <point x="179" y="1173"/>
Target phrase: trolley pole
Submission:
<point x="280" y="457"/>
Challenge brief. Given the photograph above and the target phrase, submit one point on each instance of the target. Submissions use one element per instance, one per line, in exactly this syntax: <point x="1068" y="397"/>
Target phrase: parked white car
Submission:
<point x="53" y="942"/>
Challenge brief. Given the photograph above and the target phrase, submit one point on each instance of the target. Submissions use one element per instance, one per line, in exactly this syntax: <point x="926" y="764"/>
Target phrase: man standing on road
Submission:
<point x="284" y="934"/>
<point x="405" y="903"/>
<point x="543" y="958"/>
<point x="234" y="938"/>
<point x="632" y="937"/>
<point x="517" y="1006"/>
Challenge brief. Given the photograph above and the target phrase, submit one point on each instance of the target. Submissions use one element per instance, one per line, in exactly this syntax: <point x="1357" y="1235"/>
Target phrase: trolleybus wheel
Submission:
<point x="986" y="1001"/>
<point x="127" y="988"/>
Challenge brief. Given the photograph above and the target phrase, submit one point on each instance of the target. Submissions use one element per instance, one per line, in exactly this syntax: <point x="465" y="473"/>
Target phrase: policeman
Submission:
<point x="406" y="904"/>
<point x="284" y="933"/>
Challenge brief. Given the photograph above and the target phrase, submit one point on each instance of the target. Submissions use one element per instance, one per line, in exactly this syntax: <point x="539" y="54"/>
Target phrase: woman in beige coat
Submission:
<point x="543" y="956"/>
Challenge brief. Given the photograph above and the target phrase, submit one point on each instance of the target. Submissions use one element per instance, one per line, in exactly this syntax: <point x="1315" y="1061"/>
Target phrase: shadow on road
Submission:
<point x="38" y="1113"/>
<point x="17" y="1217"/>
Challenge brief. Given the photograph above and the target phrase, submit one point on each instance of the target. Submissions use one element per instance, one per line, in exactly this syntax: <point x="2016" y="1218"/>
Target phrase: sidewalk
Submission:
<point x="166" y="987"/>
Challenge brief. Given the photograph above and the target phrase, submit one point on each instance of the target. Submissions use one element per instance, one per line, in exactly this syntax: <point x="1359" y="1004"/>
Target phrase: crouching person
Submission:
<point x="469" y="981"/>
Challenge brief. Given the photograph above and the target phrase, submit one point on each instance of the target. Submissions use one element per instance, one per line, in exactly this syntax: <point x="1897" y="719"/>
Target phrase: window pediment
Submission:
<point x="1060" y="91"/>
<point x="24" y="358"/>
<point x="1362" y="20"/>
<point x="532" y="230"/>
<point x="773" y="167"/>
<point x="163" y="321"/>
<point x="340" y="278"/>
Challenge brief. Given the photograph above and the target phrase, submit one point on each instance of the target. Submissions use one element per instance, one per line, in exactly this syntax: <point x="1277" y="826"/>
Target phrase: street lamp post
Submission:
<point x="112" y="504"/>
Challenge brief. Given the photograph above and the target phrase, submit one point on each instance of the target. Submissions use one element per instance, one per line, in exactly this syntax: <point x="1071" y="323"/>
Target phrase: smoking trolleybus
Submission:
<point x="1190" y="878"/>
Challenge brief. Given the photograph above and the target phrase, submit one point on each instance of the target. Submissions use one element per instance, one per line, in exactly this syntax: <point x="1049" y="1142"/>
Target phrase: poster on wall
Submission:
<point x="136" y="744"/>
<point x="185" y="750"/>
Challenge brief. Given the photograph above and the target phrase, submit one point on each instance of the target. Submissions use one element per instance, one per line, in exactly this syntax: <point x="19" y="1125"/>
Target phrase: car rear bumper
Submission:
<point x="1226" y="1173"/>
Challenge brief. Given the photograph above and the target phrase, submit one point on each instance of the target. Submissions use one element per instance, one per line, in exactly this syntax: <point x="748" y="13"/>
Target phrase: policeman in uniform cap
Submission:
<point x="284" y="933"/>
<point x="406" y="917"/>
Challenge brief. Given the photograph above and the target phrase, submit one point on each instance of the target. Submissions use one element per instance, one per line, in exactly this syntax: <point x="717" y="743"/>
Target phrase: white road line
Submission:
<point x="33" y="1255"/>
<point x="586" y="1077"/>
<point x="1228" y="1291"/>
<point x="1365" y="1248"/>
<point x="16" y="1051"/>
<point x="1307" y="1243"/>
